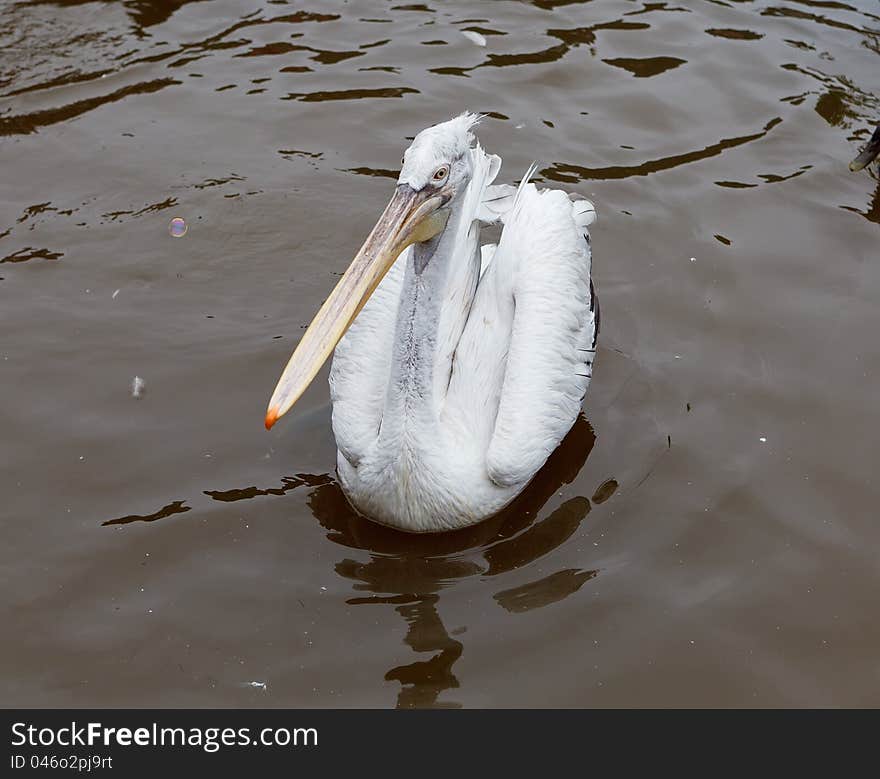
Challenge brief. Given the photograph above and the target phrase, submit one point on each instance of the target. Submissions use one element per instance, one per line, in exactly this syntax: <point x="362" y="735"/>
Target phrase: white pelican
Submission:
<point x="458" y="368"/>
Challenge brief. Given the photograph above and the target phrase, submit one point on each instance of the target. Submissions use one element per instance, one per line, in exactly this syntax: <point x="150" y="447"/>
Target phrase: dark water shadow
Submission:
<point x="645" y="67"/>
<point x="734" y="34"/>
<point x="30" y="253"/>
<point x="288" y="483"/>
<point x="175" y="507"/>
<point x="872" y="214"/>
<point x="375" y="172"/>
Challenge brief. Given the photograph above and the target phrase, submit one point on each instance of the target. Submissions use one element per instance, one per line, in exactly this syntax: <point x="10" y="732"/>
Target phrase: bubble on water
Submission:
<point x="177" y="227"/>
<point x="137" y="387"/>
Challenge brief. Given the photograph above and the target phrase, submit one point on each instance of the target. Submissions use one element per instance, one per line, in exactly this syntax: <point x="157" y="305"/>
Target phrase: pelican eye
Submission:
<point x="441" y="173"/>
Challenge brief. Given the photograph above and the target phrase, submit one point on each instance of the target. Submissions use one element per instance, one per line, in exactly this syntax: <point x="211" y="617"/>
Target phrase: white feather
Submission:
<point x="474" y="37"/>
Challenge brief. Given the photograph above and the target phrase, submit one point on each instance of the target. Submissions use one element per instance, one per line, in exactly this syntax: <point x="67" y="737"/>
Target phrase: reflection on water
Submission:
<point x="409" y="571"/>
<point x="144" y="13"/>
<point x="737" y="35"/>
<point x="422" y="681"/>
<point x="175" y="507"/>
<point x="872" y="214"/>
<point x="647" y="66"/>
<point x="288" y="483"/>
<point x="30" y="253"/>
<point x="841" y="103"/>
<point x="549" y="589"/>
<point x="571" y="174"/>
<point x="28" y="123"/>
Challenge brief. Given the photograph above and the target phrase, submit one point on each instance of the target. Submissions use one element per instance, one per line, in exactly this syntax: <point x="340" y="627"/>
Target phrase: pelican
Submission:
<point x="458" y="368"/>
<point x="868" y="154"/>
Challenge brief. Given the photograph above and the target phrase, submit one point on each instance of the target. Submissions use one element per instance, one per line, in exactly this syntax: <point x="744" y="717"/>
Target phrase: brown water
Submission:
<point x="707" y="535"/>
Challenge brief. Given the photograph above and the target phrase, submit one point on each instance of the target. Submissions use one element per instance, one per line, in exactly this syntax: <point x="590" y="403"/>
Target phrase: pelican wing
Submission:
<point x="497" y="201"/>
<point x="543" y="262"/>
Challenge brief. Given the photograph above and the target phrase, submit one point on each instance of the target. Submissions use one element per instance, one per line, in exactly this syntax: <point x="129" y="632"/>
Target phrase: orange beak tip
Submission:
<point x="271" y="418"/>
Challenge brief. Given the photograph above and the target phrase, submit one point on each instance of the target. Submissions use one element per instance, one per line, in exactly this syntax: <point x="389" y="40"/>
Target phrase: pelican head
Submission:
<point x="437" y="170"/>
<point x="868" y="154"/>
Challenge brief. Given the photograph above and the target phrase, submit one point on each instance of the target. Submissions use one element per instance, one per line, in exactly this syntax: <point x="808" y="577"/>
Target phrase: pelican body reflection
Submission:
<point x="409" y="571"/>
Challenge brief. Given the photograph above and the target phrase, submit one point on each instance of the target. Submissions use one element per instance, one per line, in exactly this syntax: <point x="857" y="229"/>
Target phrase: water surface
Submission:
<point x="705" y="536"/>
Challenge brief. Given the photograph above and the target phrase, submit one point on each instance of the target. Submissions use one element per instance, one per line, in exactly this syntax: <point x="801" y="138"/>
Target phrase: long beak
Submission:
<point x="868" y="153"/>
<point x="410" y="216"/>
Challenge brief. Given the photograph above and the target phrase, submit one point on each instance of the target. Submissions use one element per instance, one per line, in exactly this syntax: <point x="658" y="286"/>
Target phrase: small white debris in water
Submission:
<point x="137" y="387"/>
<point x="677" y="356"/>
<point x="519" y="126"/>
<point x="762" y="440"/>
<point x="115" y="294"/>
<point x="693" y="259"/>
<point x="82" y="457"/>
<point x="323" y="589"/>
<point x="474" y="37"/>
<point x="257" y="685"/>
